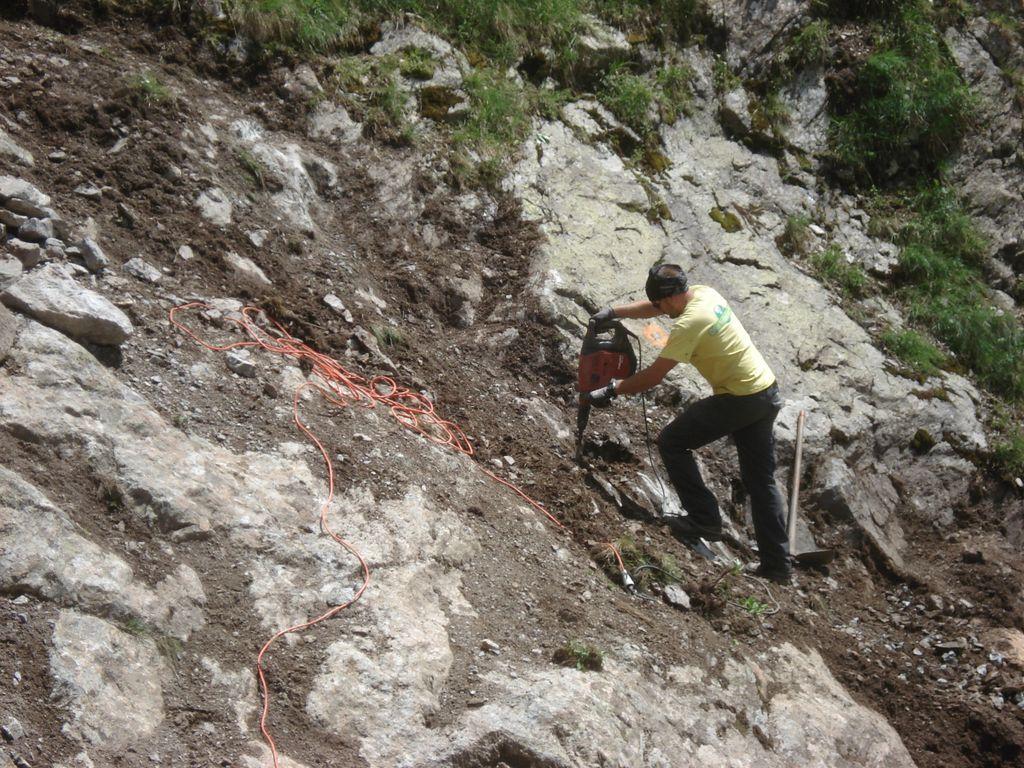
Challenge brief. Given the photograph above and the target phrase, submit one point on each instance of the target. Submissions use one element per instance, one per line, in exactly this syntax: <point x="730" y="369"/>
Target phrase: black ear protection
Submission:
<point x="660" y="286"/>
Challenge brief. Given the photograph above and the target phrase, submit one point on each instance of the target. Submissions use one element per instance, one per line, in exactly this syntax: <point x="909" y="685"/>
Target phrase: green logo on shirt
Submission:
<point x="724" y="316"/>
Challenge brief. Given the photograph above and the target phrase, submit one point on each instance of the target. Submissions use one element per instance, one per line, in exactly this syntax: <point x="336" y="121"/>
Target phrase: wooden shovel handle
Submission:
<point x="794" y="497"/>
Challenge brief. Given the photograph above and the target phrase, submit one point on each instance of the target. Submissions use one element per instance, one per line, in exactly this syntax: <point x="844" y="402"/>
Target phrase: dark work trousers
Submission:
<point x="750" y="419"/>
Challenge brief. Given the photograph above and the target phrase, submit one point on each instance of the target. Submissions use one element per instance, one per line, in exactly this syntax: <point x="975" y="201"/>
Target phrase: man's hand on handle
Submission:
<point x="601" y="317"/>
<point x="602" y="396"/>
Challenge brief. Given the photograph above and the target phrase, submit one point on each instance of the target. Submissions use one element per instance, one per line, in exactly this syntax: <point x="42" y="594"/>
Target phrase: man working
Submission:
<point x="745" y="403"/>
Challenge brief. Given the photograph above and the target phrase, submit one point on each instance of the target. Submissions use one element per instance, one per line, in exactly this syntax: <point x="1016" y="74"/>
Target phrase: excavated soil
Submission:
<point x="865" y="621"/>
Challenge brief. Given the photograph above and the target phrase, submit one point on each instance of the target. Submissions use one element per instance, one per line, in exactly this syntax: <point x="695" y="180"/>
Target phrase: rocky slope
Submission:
<point x="160" y="510"/>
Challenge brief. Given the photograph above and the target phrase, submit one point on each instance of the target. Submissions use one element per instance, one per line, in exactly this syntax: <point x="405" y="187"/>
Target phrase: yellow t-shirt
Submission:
<point x="711" y="337"/>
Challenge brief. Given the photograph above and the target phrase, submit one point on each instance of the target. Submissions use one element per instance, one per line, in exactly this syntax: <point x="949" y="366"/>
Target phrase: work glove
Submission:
<point x="602" y="396"/>
<point x="602" y="317"/>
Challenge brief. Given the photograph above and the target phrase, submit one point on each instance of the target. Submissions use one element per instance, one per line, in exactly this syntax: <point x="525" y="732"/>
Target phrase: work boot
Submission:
<point x="779" y="574"/>
<point x="685" y="528"/>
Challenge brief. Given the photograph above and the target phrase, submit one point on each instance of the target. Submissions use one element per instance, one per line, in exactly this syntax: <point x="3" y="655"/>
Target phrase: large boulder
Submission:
<point x="52" y="296"/>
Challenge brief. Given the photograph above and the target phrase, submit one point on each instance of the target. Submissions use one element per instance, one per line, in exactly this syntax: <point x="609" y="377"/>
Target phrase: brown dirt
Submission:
<point x="864" y="622"/>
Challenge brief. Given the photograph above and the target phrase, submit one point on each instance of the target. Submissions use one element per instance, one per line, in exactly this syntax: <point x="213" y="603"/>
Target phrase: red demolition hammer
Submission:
<point x="606" y="355"/>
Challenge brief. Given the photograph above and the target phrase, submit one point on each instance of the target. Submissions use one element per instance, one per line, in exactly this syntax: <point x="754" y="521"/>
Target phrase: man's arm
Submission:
<point x="649" y="377"/>
<point x="638" y="310"/>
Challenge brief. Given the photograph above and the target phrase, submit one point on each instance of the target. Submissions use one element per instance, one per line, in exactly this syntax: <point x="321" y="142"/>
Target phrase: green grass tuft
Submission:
<point x="796" y="236"/>
<point x="914" y="350"/>
<point x="943" y="290"/>
<point x="629" y="97"/>
<point x="149" y="88"/>
<point x="580" y="656"/>
<point x="831" y="265"/>
<point x="909" y="106"/>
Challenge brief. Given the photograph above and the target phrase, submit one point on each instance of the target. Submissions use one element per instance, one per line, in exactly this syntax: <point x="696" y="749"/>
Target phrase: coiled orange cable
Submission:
<point x="340" y="387"/>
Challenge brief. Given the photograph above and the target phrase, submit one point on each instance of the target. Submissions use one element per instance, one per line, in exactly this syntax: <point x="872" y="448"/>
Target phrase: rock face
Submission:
<point x="858" y="413"/>
<point x="987" y="170"/>
<point x="396" y="653"/>
<point x="110" y="679"/>
<point x="52" y="296"/>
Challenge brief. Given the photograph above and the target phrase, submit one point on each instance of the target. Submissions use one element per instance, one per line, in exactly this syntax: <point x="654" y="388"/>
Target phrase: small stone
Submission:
<point x="92" y="255"/>
<point x="143" y="270"/>
<point x="36" y="230"/>
<point x="239" y="361"/>
<point x="54" y="248"/>
<point x="12" y="730"/>
<point x="29" y="254"/>
<point x="185" y="253"/>
<point x="676" y="596"/>
<point x="973" y="557"/>
<point x="258" y="237"/>
<point x="11" y="219"/>
<point x="491" y="647"/>
<point x="336" y="304"/>
<point x="246" y="270"/>
<point x="126" y="216"/>
<point x="21" y="197"/>
<point x="89" y="192"/>
<point x="58" y="156"/>
<point x="21" y="600"/>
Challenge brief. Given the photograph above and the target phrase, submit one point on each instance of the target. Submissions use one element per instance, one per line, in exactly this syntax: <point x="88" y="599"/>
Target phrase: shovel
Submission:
<point x="814" y="557"/>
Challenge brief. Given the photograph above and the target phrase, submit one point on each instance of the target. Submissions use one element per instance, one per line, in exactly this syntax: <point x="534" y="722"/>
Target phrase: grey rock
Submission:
<point x="57" y="156"/>
<point x="54" y="248"/>
<point x="143" y="270"/>
<point x="126" y="216"/>
<point x="92" y="255"/>
<point x="10" y="150"/>
<point x="805" y="98"/>
<point x="677" y="597"/>
<point x="89" y="192"/>
<point x="185" y="253"/>
<point x="299" y="84"/>
<point x="214" y="206"/>
<point x="9" y="324"/>
<point x="756" y="30"/>
<point x="464" y="296"/>
<point x="10" y="272"/>
<point x="111" y="681"/>
<point x="36" y="230"/>
<point x="245" y="270"/>
<point x="598" y="45"/>
<point x="331" y="122"/>
<point x="11" y="219"/>
<point x="397" y="36"/>
<point x="29" y="254"/>
<point x="21" y="197"/>
<point x="240" y="361"/>
<point x="338" y="306"/>
<point x="735" y="113"/>
<point x="50" y="295"/>
<point x="12" y="729"/>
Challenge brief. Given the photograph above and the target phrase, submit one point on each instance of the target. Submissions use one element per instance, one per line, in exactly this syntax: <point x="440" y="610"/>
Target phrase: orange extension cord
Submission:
<point x="342" y="388"/>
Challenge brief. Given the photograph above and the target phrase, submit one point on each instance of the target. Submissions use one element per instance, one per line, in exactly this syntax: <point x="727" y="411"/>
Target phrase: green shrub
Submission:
<point x="809" y="46"/>
<point x="417" y="64"/>
<point x="148" y="88"/>
<point x="913" y="349"/>
<point x="1008" y="454"/>
<point x="908" y="108"/>
<point x="724" y="78"/>
<point x="386" y="100"/>
<point x="310" y="25"/>
<point x="943" y="290"/>
<point x="629" y="97"/>
<point x="796" y="236"/>
<point x="579" y="655"/>
<point x="831" y="265"/>
<point x="674" y="94"/>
